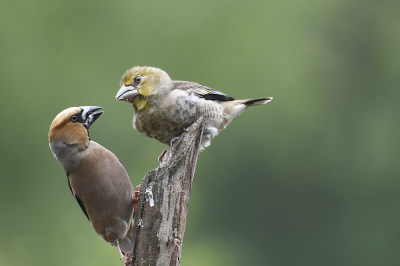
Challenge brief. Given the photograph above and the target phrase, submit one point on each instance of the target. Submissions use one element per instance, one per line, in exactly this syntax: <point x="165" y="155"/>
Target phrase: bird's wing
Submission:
<point x="202" y="91"/>
<point x="78" y="199"/>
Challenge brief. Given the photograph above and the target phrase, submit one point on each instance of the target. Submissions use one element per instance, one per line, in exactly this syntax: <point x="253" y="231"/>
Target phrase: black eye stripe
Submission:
<point x="76" y="118"/>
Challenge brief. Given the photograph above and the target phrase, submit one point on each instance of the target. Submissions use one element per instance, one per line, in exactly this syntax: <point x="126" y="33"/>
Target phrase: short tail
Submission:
<point x="258" y="101"/>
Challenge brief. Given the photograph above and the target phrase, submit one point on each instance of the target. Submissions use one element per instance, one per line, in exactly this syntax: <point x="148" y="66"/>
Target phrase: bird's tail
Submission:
<point x="257" y="101"/>
<point x="126" y="245"/>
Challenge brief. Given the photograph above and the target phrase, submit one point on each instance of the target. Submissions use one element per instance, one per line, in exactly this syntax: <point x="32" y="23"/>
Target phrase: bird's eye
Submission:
<point x="137" y="79"/>
<point x="74" y="118"/>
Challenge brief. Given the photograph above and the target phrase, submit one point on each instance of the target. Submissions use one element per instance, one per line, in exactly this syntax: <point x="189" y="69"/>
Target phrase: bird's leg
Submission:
<point x="173" y="140"/>
<point x="135" y="198"/>
<point x="125" y="259"/>
<point x="160" y="158"/>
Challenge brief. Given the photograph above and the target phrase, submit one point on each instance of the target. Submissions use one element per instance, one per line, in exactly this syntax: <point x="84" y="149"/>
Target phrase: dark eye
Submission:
<point x="73" y="118"/>
<point x="137" y="79"/>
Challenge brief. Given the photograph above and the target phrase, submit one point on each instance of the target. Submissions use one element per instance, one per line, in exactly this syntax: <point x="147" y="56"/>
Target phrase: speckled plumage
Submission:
<point x="164" y="108"/>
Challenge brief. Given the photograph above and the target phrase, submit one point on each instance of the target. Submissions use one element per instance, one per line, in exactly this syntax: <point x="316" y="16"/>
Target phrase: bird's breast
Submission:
<point x="68" y="155"/>
<point x="174" y="113"/>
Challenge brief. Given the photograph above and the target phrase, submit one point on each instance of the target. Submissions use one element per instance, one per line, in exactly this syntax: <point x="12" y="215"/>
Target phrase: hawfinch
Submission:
<point x="97" y="179"/>
<point x="165" y="108"/>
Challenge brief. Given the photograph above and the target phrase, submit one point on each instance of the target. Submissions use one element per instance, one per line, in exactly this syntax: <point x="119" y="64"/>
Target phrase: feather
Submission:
<point x="78" y="199"/>
<point x="202" y="91"/>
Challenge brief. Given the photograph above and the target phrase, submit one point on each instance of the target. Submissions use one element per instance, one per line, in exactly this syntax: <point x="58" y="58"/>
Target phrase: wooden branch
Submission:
<point x="163" y="203"/>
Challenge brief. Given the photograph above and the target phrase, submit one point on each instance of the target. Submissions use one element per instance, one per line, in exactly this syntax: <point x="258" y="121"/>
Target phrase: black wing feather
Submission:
<point x="202" y="91"/>
<point x="79" y="200"/>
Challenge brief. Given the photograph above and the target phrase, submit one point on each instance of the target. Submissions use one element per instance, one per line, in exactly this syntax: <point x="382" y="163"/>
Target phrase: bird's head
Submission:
<point x="139" y="85"/>
<point x="71" y="125"/>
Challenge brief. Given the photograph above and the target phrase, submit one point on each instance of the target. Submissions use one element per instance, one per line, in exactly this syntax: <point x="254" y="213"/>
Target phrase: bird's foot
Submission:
<point x="173" y="140"/>
<point x="126" y="259"/>
<point x="136" y="192"/>
<point x="160" y="158"/>
<point x="135" y="198"/>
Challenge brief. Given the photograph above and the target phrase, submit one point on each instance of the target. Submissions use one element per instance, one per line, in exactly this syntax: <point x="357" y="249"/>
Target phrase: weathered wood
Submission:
<point x="163" y="203"/>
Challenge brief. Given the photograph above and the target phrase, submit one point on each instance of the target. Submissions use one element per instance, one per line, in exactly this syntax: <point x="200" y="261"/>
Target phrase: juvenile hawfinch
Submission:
<point x="165" y="108"/>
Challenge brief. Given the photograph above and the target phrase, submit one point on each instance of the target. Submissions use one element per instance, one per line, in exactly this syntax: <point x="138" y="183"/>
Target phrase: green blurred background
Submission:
<point x="311" y="178"/>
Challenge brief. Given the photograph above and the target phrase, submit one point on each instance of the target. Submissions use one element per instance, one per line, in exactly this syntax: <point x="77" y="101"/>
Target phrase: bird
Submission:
<point x="96" y="178"/>
<point x="164" y="108"/>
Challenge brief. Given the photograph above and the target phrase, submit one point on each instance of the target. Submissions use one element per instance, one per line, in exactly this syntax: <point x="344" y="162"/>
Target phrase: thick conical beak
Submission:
<point x="127" y="93"/>
<point x="89" y="115"/>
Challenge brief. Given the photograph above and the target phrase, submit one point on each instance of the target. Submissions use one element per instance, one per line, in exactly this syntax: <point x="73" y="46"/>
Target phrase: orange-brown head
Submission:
<point x="71" y="125"/>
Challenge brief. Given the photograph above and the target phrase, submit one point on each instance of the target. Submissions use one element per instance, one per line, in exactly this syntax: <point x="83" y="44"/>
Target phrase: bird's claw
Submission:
<point x="136" y="192"/>
<point x="126" y="259"/>
<point x="135" y="198"/>
<point x="160" y="158"/>
<point x="174" y="139"/>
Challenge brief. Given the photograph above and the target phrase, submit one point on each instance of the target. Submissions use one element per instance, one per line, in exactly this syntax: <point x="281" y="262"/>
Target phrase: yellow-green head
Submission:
<point x="139" y="85"/>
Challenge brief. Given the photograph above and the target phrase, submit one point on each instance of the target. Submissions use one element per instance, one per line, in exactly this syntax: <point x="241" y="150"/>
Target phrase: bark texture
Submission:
<point x="163" y="203"/>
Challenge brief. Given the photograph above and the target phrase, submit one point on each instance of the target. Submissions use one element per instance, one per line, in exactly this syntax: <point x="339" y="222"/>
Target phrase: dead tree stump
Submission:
<point x="163" y="203"/>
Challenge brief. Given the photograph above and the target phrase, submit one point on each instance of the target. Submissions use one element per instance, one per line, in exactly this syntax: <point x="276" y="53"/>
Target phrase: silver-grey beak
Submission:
<point x="127" y="93"/>
<point x="89" y="115"/>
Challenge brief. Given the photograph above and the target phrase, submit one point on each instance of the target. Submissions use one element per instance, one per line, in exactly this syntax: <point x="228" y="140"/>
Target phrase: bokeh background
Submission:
<point x="311" y="178"/>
